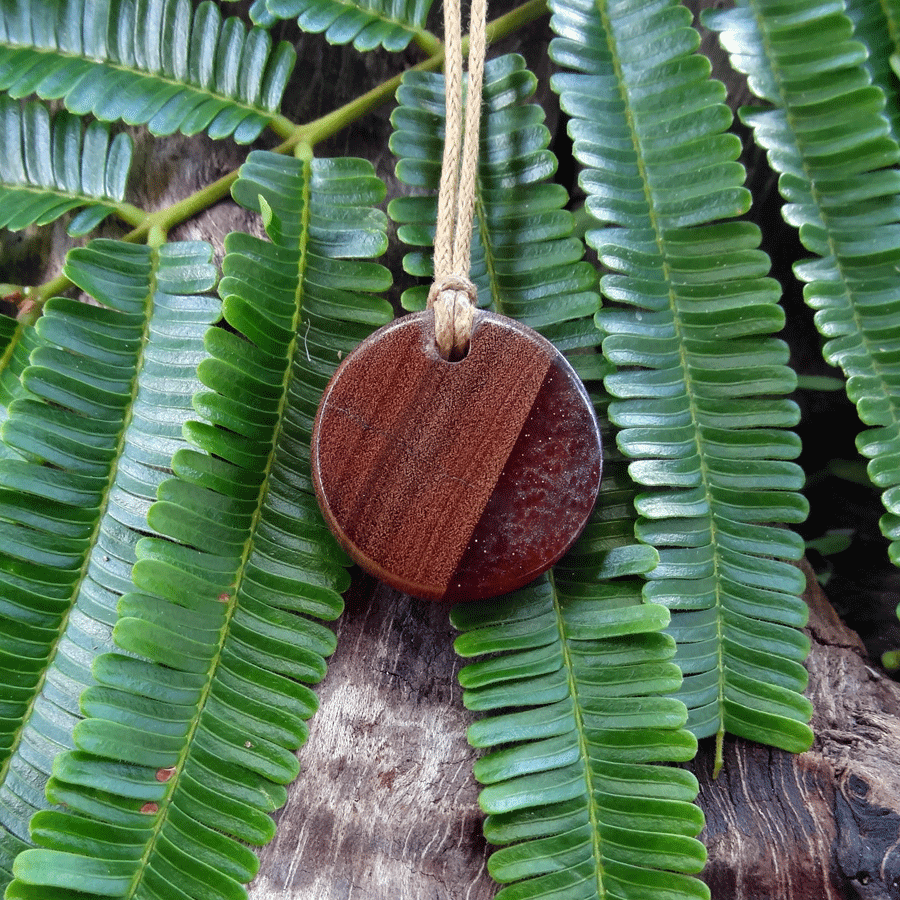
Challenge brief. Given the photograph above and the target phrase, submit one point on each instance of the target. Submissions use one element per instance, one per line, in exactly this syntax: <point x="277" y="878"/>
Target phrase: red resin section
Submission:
<point x="454" y="481"/>
<point x="543" y="497"/>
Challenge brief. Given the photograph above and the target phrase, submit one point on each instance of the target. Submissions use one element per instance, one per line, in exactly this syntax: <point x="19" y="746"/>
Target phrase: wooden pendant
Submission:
<point x="456" y="480"/>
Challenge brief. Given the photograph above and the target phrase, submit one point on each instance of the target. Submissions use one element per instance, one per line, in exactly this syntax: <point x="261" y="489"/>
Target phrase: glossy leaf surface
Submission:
<point x="92" y="446"/>
<point x="573" y="684"/>
<point x="51" y="166"/>
<point x="391" y="24"/>
<point x="700" y="385"/>
<point x="526" y="263"/>
<point x="191" y="736"/>
<point x="837" y="160"/>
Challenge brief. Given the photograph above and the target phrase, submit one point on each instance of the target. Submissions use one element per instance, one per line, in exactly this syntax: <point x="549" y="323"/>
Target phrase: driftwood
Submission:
<point x="386" y="805"/>
<point x="825" y="824"/>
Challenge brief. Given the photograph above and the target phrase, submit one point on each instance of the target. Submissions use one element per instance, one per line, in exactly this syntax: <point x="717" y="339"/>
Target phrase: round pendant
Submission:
<point x="456" y="480"/>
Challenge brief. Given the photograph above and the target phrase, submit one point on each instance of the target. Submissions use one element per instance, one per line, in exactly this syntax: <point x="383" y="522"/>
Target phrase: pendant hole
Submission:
<point x="458" y="356"/>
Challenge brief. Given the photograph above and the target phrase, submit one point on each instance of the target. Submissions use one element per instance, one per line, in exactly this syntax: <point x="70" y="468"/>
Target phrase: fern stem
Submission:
<point x="130" y="214"/>
<point x="40" y="295"/>
<point x="282" y="126"/>
<point x="512" y="21"/>
<point x="429" y="43"/>
<point x="331" y="123"/>
<point x="146" y="224"/>
<point x="583" y="747"/>
<point x="324" y="127"/>
<point x="185" y="209"/>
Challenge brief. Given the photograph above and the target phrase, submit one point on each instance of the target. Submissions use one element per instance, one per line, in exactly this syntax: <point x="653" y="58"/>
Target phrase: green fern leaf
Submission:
<point x="701" y="384"/>
<point x="543" y="643"/>
<point x="838" y="164"/>
<point x="49" y="167"/>
<point x="523" y="247"/>
<point x="191" y="738"/>
<point x="391" y="24"/>
<point x="92" y="449"/>
<point x="145" y="62"/>
<point x="573" y="684"/>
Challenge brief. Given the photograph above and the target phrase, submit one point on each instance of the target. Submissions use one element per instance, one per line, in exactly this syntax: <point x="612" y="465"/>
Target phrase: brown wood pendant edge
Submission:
<point x="421" y="324"/>
<point x="518" y="380"/>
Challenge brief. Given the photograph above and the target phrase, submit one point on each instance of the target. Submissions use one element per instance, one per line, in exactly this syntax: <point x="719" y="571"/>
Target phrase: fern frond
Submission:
<point x="526" y="262"/>
<point x="573" y="684"/>
<point x="549" y="789"/>
<point x="108" y="389"/>
<point x="701" y="381"/>
<point x="838" y="165"/>
<point x="391" y="24"/>
<point x="192" y="736"/>
<point x="49" y="167"/>
<point x="145" y="62"/>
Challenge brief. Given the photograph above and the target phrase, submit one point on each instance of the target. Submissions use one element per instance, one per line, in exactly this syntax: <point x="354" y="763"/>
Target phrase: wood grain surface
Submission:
<point x="824" y="825"/>
<point x="456" y="480"/>
<point x="386" y="805"/>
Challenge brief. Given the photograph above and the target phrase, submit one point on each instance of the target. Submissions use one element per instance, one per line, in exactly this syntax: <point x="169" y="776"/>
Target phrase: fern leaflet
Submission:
<point x="391" y="24"/>
<point x="50" y="167"/>
<point x="878" y="26"/>
<point x="523" y="249"/>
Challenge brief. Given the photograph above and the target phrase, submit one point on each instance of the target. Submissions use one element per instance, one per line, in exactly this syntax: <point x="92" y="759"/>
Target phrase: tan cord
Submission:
<point x="453" y="296"/>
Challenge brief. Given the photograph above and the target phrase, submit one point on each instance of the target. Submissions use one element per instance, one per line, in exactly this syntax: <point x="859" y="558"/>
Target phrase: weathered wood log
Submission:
<point x="386" y="806"/>
<point x="824" y="825"/>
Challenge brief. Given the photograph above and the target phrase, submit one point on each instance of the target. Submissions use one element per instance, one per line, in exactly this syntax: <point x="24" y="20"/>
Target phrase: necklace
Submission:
<point x="455" y="453"/>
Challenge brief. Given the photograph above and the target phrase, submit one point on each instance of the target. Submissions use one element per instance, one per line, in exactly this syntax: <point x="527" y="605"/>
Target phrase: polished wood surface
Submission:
<point x="456" y="480"/>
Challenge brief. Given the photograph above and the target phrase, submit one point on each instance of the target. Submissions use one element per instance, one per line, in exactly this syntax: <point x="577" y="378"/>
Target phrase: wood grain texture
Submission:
<point x="824" y="825"/>
<point x="456" y="480"/>
<point x="385" y="808"/>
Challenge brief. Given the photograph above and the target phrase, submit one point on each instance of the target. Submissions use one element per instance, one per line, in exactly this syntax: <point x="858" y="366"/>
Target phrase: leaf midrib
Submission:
<point x="583" y="747"/>
<point x="489" y="256"/>
<point x="41" y="190"/>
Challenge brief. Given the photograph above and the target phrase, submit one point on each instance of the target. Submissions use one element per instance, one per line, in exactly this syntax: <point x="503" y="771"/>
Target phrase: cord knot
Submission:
<point x="453" y="300"/>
